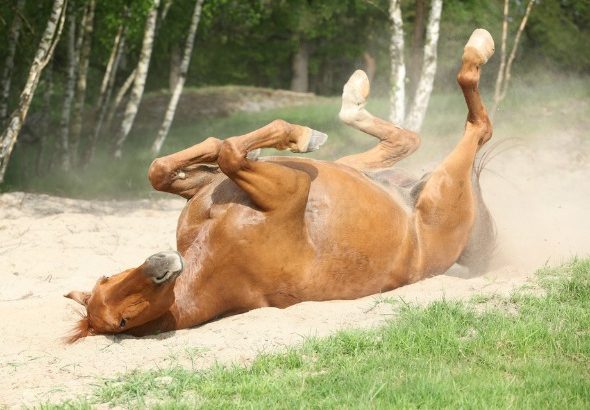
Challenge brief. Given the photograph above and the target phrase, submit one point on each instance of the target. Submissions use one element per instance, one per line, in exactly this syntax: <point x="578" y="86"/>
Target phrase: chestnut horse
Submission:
<point x="278" y="231"/>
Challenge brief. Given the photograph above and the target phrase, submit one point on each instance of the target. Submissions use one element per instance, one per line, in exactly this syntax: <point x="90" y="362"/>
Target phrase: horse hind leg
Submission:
<point x="445" y="210"/>
<point x="395" y="143"/>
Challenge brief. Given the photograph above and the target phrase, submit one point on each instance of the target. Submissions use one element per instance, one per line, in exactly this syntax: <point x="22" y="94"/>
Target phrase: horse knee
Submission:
<point x="159" y="174"/>
<point x="231" y="158"/>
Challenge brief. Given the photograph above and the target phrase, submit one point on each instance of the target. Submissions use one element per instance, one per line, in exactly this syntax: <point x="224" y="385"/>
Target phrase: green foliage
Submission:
<point x="443" y="356"/>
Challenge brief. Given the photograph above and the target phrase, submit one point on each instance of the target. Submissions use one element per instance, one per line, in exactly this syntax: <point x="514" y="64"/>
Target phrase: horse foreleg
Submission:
<point x="184" y="172"/>
<point x="445" y="209"/>
<point x="272" y="187"/>
<point x="395" y="143"/>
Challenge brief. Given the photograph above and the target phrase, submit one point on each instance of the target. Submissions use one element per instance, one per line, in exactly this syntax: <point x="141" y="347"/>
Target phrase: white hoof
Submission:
<point x="354" y="96"/>
<point x="310" y="141"/>
<point x="482" y="43"/>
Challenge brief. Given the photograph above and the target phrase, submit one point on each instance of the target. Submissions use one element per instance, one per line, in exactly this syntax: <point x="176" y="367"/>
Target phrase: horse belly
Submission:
<point x="360" y="234"/>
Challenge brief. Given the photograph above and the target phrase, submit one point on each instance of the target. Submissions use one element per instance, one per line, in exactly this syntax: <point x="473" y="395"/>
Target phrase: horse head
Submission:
<point x="129" y="299"/>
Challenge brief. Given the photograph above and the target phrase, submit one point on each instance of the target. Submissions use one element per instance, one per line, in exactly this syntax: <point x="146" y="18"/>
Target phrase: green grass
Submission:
<point x="545" y="107"/>
<point x="446" y="355"/>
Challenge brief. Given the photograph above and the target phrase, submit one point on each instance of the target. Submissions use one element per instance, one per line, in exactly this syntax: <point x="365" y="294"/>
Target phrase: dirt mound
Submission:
<point x="538" y="194"/>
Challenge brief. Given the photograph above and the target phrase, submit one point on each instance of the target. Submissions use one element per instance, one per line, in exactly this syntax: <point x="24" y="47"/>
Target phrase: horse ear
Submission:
<point x="78" y="296"/>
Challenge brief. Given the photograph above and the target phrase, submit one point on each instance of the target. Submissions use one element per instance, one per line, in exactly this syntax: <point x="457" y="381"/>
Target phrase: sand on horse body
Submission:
<point x="278" y="231"/>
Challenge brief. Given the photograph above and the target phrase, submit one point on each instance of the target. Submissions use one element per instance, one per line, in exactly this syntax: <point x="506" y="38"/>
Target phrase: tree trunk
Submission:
<point x="500" y="77"/>
<point x="184" y="65"/>
<point x="140" y="78"/>
<point x="424" y="88"/>
<point x="119" y="97"/>
<point x="398" y="66"/>
<point x="106" y="89"/>
<point x="300" y="65"/>
<point x="504" y="76"/>
<point x="9" y="62"/>
<point x="66" y="111"/>
<point x="80" y="96"/>
<point x="47" y="123"/>
<point x="42" y="56"/>
<point x="175" y="62"/>
<point x="417" y="41"/>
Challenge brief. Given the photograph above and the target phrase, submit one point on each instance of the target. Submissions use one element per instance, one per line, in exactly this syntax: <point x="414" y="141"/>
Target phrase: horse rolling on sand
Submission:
<point x="282" y="230"/>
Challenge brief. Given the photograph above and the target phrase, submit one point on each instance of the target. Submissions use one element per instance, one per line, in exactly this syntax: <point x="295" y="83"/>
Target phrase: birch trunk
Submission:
<point x="80" y="96"/>
<point x="508" y="69"/>
<point x="66" y="111"/>
<point x="119" y="97"/>
<point x="417" y="42"/>
<point x="424" y="89"/>
<point x="398" y="66"/>
<point x="47" y="123"/>
<point x="42" y="56"/>
<point x="184" y="65"/>
<point x="106" y="90"/>
<point x="9" y="62"/>
<point x="140" y="78"/>
<point x="500" y="78"/>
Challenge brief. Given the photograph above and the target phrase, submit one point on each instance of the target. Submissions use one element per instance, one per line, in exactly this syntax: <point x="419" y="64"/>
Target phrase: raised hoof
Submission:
<point x="311" y="140"/>
<point x="354" y="96"/>
<point x="482" y="45"/>
<point x="316" y="140"/>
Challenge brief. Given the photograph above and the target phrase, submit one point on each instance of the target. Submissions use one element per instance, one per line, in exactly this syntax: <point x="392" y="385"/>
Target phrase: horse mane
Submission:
<point x="80" y="330"/>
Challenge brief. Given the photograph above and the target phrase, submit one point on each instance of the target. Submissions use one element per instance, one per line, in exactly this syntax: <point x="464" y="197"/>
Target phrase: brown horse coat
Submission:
<point x="278" y="231"/>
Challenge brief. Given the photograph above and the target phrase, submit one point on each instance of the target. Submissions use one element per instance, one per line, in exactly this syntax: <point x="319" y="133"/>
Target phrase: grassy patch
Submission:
<point x="533" y="108"/>
<point x="443" y="356"/>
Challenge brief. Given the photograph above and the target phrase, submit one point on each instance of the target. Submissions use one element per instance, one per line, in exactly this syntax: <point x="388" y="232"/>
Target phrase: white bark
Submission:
<point x="68" y="93"/>
<point x="80" y="96"/>
<point x="119" y="97"/>
<point x="398" y="66"/>
<point x="140" y="78"/>
<point x="422" y="97"/>
<point x="515" y="46"/>
<point x="42" y="56"/>
<point x="9" y="62"/>
<point x="106" y="89"/>
<point x="186" y="59"/>
<point x="500" y="78"/>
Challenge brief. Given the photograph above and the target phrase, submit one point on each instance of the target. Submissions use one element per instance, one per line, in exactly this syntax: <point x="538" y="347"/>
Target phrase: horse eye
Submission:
<point x="123" y="323"/>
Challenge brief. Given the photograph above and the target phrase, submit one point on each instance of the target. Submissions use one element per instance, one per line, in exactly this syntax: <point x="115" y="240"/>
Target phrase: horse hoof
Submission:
<point x="482" y="44"/>
<point x="310" y="140"/>
<point x="354" y="97"/>
<point x="316" y="140"/>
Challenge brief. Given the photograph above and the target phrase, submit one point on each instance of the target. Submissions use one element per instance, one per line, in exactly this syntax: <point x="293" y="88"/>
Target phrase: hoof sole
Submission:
<point x="482" y="43"/>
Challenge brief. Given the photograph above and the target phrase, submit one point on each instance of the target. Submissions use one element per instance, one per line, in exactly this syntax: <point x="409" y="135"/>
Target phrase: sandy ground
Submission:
<point x="539" y="195"/>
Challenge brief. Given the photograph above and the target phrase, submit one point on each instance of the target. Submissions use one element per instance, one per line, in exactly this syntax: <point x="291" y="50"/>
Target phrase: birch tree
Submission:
<point x="43" y="54"/>
<point x="424" y="89"/>
<point x="414" y="119"/>
<point x="504" y="72"/>
<point x="184" y="65"/>
<point x="398" y="65"/>
<point x="9" y="61"/>
<point x="80" y="96"/>
<point x="106" y="88"/>
<point x="140" y="78"/>
<point x="119" y="97"/>
<point x="69" y="89"/>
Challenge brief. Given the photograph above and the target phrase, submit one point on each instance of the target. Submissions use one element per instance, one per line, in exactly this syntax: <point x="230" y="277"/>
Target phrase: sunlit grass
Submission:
<point x="446" y="355"/>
